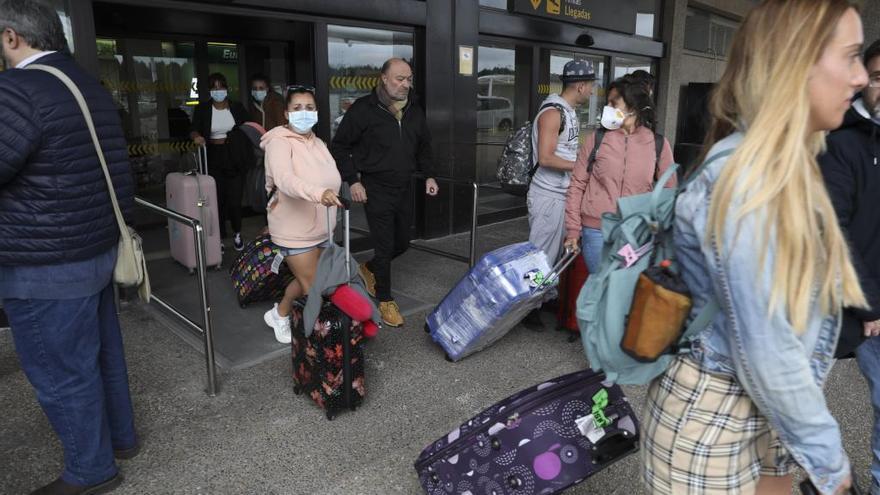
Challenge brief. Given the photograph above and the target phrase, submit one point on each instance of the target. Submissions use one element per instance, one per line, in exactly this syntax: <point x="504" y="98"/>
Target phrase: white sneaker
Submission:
<point x="279" y="324"/>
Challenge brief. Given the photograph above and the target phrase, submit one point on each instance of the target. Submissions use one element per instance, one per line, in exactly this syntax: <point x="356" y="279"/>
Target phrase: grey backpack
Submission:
<point x="515" y="168"/>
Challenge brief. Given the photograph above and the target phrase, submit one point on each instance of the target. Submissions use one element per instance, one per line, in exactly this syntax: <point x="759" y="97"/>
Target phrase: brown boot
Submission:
<point x="390" y="312"/>
<point x="369" y="278"/>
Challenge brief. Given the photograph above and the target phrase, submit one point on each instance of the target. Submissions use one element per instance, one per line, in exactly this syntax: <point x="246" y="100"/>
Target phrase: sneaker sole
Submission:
<point x="105" y="487"/>
<point x="266" y="317"/>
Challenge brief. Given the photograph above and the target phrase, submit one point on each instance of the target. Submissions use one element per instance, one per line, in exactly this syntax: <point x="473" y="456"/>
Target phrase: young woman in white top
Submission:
<point x="214" y="118"/>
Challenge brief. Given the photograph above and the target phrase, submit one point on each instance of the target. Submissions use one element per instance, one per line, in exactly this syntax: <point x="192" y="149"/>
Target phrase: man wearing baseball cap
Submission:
<point x="554" y="150"/>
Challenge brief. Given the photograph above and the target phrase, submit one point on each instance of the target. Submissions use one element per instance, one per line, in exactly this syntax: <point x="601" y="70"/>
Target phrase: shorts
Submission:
<point x="285" y="251"/>
<point x="702" y="434"/>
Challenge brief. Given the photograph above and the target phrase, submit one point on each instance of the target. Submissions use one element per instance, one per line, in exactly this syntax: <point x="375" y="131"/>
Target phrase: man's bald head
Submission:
<point x="397" y="78"/>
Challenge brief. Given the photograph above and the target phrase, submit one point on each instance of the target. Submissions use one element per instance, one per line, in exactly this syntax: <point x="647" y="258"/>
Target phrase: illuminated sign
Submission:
<point x="619" y="15"/>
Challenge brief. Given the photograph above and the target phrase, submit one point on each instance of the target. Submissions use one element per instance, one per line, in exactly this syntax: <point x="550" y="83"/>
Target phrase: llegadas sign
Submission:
<point x="619" y="15"/>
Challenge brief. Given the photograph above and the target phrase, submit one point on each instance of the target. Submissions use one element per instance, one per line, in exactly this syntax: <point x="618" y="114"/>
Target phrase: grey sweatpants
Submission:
<point x="547" y="224"/>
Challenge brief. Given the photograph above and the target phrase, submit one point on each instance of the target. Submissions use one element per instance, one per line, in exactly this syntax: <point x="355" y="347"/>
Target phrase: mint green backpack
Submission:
<point x="637" y="237"/>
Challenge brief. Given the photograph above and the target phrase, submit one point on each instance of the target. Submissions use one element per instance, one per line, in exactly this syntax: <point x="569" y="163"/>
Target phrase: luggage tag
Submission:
<point x="593" y="425"/>
<point x="631" y="256"/>
<point x="276" y="263"/>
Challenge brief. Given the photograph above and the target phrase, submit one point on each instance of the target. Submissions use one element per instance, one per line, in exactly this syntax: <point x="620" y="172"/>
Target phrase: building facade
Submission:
<point x="482" y="68"/>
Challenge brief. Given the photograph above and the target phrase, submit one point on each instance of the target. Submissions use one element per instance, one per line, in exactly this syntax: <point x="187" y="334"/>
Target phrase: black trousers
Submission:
<point x="389" y="215"/>
<point x="230" y="186"/>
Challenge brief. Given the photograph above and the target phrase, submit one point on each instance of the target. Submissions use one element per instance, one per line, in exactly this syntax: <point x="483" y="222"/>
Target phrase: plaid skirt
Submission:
<point x="702" y="434"/>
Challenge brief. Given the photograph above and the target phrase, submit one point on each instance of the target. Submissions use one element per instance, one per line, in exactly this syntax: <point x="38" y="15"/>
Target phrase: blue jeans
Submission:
<point x="71" y="351"/>
<point x="868" y="356"/>
<point x="591" y="247"/>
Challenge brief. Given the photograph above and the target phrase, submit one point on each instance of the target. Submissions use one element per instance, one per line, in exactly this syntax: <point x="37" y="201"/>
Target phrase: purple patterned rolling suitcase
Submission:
<point x="539" y="441"/>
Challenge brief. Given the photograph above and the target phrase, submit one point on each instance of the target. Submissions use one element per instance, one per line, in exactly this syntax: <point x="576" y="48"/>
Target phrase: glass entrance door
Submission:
<point x="554" y="61"/>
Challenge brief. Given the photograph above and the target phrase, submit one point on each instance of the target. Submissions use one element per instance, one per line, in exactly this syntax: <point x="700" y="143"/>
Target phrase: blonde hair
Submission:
<point x="774" y="171"/>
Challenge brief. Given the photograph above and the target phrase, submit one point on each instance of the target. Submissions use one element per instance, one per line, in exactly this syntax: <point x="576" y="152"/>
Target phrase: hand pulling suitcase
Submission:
<point x="495" y="295"/>
<point x="541" y="440"/>
<point x="570" y="284"/>
<point x="329" y="364"/>
<point x="253" y="277"/>
<point x="194" y="194"/>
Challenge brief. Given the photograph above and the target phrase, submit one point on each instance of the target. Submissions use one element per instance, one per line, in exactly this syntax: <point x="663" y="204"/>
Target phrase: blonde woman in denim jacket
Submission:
<point x="756" y="231"/>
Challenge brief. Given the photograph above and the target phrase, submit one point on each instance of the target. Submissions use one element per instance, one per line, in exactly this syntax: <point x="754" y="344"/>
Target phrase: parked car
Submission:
<point x="494" y="112"/>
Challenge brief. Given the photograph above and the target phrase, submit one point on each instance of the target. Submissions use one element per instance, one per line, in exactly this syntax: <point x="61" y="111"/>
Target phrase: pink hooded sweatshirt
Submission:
<point x="301" y="168"/>
<point x="624" y="167"/>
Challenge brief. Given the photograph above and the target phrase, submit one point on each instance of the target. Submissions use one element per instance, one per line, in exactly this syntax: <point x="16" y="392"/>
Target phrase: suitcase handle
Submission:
<point x="564" y="262"/>
<point x="346" y="207"/>
<point x="202" y="159"/>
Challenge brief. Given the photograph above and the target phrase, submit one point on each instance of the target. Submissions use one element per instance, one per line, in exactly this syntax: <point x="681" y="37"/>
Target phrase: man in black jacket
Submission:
<point x="58" y="237"/>
<point x="851" y="168"/>
<point x="380" y="143"/>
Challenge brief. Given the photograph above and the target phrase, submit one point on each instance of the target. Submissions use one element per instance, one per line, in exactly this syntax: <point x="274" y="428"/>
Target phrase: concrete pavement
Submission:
<point x="257" y="437"/>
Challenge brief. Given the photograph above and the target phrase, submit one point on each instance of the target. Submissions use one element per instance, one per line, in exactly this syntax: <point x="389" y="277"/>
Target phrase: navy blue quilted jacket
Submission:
<point x="54" y="204"/>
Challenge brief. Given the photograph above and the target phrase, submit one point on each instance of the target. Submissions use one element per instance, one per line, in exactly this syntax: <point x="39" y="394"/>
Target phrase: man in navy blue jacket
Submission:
<point x="851" y="167"/>
<point x="58" y="239"/>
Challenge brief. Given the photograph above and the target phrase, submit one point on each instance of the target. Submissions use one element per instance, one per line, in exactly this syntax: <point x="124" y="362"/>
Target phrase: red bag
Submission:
<point x="570" y="285"/>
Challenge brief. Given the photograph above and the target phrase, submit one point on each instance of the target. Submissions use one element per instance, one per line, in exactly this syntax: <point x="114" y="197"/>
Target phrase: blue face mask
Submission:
<point x="302" y="121"/>
<point x="259" y="95"/>
<point x="218" y="95"/>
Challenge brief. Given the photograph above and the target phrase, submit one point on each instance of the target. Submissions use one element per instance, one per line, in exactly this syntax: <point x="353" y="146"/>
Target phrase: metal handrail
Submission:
<point x="206" y="332"/>
<point x="470" y="259"/>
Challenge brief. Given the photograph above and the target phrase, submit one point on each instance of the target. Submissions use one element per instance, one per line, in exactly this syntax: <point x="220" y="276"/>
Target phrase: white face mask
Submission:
<point x="218" y="95"/>
<point x="303" y="121"/>
<point x="612" y="118"/>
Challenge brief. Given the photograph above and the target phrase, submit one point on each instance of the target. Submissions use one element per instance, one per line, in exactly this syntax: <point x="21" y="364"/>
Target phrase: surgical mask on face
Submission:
<point x="612" y="118"/>
<point x="218" y="95"/>
<point x="259" y="94"/>
<point x="303" y="121"/>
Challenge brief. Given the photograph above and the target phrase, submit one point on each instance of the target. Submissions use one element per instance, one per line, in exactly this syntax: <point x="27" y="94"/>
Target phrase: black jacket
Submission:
<point x="202" y="116"/>
<point x="851" y="168"/>
<point x="54" y="204"/>
<point x="372" y="142"/>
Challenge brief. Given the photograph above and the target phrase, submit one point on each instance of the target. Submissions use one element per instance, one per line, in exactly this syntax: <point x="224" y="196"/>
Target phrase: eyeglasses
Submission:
<point x="300" y="87"/>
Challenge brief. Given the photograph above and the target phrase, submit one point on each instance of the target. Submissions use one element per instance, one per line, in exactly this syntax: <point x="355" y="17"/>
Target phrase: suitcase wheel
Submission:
<point x="427" y="328"/>
<point x="297" y="390"/>
<point x="353" y="408"/>
<point x="330" y="416"/>
<point x="446" y="356"/>
<point x="242" y="305"/>
<point x="574" y="337"/>
<point x="192" y="271"/>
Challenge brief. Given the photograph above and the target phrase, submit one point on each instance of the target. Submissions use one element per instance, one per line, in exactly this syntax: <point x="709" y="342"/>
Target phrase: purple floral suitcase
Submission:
<point x="542" y="440"/>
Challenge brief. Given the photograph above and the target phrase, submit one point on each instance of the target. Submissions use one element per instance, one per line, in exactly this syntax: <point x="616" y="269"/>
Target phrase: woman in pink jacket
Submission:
<point x="626" y="164"/>
<point x="302" y="179"/>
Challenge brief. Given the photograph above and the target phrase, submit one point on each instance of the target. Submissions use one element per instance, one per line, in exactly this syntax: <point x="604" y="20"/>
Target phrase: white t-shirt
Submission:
<point x="222" y="122"/>
<point x="566" y="147"/>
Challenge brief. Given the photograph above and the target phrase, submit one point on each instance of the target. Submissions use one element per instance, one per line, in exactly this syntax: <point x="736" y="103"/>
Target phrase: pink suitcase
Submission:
<point x="194" y="195"/>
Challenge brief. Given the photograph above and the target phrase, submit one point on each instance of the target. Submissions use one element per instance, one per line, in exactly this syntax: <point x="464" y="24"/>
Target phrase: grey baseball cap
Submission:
<point x="578" y="70"/>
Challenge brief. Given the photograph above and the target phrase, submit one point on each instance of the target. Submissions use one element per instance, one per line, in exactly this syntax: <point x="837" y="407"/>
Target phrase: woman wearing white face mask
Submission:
<point x="627" y="162"/>
<point x="212" y="121"/>
<point x="302" y="177"/>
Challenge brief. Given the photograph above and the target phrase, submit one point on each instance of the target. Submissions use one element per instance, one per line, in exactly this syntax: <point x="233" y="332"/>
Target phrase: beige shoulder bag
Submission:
<point x="131" y="267"/>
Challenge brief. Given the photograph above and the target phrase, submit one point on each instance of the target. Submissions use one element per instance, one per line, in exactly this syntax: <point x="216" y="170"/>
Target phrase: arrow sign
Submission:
<point x="536" y="4"/>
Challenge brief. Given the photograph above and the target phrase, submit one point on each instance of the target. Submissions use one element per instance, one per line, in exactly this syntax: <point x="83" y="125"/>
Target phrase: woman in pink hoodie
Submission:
<point x="626" y="164"/>
<point x="302" y="181"/>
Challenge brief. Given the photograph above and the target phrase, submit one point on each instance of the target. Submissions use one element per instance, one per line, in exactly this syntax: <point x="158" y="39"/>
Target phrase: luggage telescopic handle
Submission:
<point x="564" y="262"/>
<point x="346" y="206"/>
<point x="202" y="159"/>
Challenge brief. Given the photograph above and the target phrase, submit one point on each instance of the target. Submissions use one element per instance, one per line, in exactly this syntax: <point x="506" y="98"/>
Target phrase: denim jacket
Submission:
<point x="782" y="372"/>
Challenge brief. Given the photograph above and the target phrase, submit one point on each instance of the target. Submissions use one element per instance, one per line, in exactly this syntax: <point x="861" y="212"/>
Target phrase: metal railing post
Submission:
<point x="472" y="257"/>
<point x="207" y="328"/>
<point x="201" y="256"/>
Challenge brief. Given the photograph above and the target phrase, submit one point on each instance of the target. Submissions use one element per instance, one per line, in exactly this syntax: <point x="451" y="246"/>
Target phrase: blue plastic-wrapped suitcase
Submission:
<point x="495" y="295"/>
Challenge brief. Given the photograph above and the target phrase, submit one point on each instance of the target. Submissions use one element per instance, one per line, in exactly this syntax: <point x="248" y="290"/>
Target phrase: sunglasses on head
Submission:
<point x="299" y="87"/>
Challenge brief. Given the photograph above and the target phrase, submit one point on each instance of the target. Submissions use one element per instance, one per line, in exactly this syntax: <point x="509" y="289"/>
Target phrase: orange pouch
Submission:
<point x="660" y="307"/>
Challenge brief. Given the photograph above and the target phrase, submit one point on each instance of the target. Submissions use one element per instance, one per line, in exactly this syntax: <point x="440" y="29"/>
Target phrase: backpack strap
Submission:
<point x="599" y="136"/>
<point x="658" y="149"/>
